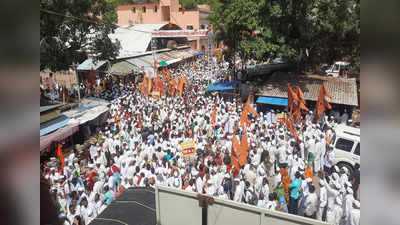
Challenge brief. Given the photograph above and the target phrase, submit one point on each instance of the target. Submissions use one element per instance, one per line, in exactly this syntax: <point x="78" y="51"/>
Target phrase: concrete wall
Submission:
<point x="176" y="207"/>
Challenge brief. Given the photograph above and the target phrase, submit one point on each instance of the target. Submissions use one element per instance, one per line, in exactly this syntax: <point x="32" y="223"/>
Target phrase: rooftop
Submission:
<point x="343" y="91"/>
<point x="134" y="39"/>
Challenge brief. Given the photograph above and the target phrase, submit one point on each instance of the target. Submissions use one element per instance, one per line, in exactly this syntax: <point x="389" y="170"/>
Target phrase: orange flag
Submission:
<point x="168" y="75"/>
<point x="290" y="126"/>
<point x="214" y="115"/>
<point x="61" y="156"/>
<point x="300" y="95"/>
<point x="244" y="118"/>
<point x="155" y="65"/>
<point x="235" y="143"/>
<point x="249" y="108"/>
<point x="322" y="103"/>
<point x="244" y="142"/>
<point x="292" y="99"/>
<point x="235" y="164"/>
<point x="149" y="85"/>
<point x="182" y="82"/>
<point x="301" y="104"/>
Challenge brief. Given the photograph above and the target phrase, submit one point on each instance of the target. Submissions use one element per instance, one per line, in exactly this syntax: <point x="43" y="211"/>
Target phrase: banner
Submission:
<point x="155" y="94"/>
<point x="188" y="148"/>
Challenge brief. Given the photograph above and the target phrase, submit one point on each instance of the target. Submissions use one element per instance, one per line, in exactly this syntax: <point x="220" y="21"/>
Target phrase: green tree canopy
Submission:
<point x="70" y="30"/>
<point x="307" y="32"/>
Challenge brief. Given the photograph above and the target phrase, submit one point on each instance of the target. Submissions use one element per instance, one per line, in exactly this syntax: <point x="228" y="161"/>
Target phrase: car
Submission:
<point x="336" y="68"/>
<point x="346" y="142"/>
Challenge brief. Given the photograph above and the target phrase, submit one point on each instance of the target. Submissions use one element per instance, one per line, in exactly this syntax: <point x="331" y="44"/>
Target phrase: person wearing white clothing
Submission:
<point x="354" y="218"/>
<point x="310" y="204"/>
<point x="239" y="191"/>
<point x="323" y="198"/>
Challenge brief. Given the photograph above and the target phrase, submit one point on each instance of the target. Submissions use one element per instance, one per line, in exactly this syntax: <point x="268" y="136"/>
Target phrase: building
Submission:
<point x="164" y="12"/>
<point x="273" y="91"/>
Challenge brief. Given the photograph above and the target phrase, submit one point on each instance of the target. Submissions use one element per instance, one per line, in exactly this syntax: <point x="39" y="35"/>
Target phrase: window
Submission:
<point x="189" y="27"/>
<point x="345" y="145"/>
<point x="357" y="150"/>
<point x="155" y="8"/>
<point x="202" y="26"/>
<point x="336" y="67"/>
<point x="134" y="10"/>
<point x="144" y="9"/>
<point x="180" y="9"/>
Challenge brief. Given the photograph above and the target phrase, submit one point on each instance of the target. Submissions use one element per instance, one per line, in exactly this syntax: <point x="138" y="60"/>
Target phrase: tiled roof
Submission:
<point x="343" y="91"/>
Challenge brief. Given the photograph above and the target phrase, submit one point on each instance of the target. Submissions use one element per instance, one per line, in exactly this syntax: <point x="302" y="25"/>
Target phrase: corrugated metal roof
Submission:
<point x="49" y="107"/>
<point x="123" y="68"/>
<point x="88" y="64"/>
<point x="134" y="39"/>
<point x="343" y="91"/>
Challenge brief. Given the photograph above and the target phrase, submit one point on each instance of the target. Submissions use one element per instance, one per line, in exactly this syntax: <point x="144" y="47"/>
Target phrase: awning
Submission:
<point x="272" y="101"/>
<point x="58" y="135"/>
<point x="173" y="61"/>
<point x="53" y="125"/>
<point x="89" y="64"/>
<point x="123" y="68"/>
<point x="221" y="86"/>
<point x="89" y="114"/>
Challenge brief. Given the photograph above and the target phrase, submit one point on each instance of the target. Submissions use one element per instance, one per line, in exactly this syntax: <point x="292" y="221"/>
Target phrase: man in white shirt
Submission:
<point x="310" y="204"/>
<point x="323" y="198"/>
<point x="354" y="218"/>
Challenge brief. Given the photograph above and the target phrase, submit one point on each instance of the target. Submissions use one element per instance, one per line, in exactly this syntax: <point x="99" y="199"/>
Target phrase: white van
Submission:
<point x="335" y="69"/>
<point x="346" y="144"/>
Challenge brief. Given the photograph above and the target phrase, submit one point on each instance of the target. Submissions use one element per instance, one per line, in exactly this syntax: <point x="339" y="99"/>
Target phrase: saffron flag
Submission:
<point x="290" y="126"/>
<point x="213" y="115"/>
<point x="244" y="118"/>
<point x="301" y="104"/>
<point x="61" y="156"/>
<point x="155" y="65"/>
<point x="244" y="142"/>
<point x="235" y="164"/>
<point x="322" y="103"/>
<point x="235" y="144"/>
<point x="249" y="108"/>
<point x="292" y="99"/>
<point x="149" y="85"/>
<point x="182" y="82"/>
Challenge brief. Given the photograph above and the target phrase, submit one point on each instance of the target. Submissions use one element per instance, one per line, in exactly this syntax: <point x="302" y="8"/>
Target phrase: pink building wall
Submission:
<point x="189" y="18"/>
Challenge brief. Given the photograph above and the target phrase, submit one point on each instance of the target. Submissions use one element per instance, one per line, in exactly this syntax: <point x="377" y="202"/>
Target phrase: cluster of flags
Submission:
<point x="240" y="151"/>
<point x="150" y="85"/>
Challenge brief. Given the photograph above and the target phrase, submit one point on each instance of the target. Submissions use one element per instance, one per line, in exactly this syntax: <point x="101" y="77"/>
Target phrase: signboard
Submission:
<point x="155" y="94"/>
<point x="179" y="33"/>
<point x="188" y="148"/>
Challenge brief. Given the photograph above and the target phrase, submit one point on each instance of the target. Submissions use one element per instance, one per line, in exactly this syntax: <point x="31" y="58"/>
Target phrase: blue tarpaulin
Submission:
<point x="198" y="54"/>
<point x="221" y="86"/>
<point x="53" y="125"/>
<point x="272" y="101"/>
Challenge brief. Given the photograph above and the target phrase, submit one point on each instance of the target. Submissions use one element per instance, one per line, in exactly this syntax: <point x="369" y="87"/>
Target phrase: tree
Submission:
<point x="71" y="30"/>
<point x="307" y="32"/>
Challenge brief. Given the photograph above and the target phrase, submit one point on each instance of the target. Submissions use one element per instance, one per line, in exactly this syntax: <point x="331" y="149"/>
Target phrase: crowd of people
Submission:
<point x="141" y="147"/>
